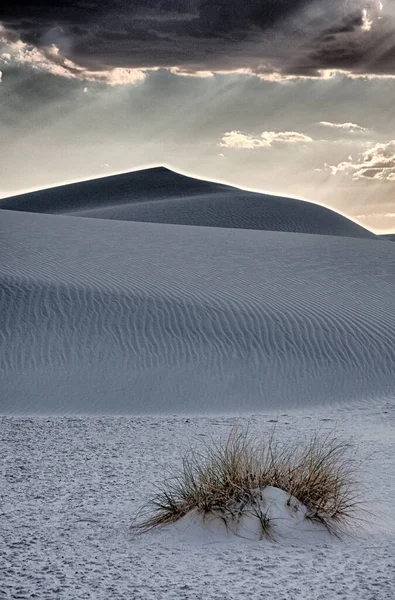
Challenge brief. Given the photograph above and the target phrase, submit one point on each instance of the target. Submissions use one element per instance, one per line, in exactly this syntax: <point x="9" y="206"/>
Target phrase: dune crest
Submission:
<point x="160" y="195"/>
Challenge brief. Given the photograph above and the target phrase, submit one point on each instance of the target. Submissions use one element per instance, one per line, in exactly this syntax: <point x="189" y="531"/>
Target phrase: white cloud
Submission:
<point x="189" y="73"/>
<point x="49" y="60"/>
<point x="377" y="163"/>
<point x="376" y="214"/>
<point x="237" y="139"/>
<point x="118" y="76"/>
<point x="348" y="126"/>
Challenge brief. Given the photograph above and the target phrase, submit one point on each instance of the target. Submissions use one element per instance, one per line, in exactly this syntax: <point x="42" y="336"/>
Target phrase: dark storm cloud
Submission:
<point x="270" y="38"/>
<point x="147" y="33"/>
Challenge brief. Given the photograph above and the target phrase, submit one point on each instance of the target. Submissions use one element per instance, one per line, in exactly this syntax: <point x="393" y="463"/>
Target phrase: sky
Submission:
<point x="292" y="97"/>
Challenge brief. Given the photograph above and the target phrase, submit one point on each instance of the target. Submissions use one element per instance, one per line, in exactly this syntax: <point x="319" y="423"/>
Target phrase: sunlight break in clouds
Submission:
<point x="50" y="61"/>
<point x="237" y="139"/>
<point x="377" y="163"/>
<point x="349" y="126"/>
<point x="367" y="20"/>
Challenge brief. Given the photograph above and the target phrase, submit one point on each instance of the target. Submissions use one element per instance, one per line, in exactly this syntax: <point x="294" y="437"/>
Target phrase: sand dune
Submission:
<point x="161" y="196"/>
<point x="104" y="317"/>
<point x="122" y="317"/>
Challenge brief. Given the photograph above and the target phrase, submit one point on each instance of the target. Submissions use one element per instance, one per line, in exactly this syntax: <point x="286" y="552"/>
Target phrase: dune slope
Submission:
<point x="161" y="196"/>
<point x="121" y="317"/>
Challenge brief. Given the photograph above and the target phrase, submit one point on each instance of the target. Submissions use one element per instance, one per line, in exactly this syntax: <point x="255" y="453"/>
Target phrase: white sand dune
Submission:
<point x="159" y="195"/>
<point x="104" y="316"/>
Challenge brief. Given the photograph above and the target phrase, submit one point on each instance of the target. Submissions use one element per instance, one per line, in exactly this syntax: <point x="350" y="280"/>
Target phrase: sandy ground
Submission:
<point x="71" y="487"/>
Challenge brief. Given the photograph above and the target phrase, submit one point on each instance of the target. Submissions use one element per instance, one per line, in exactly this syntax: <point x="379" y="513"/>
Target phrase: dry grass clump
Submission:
<point x="227" y="480"/>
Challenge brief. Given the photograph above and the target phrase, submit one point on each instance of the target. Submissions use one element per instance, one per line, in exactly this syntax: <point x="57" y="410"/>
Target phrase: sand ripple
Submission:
<point x="106" y="316"/>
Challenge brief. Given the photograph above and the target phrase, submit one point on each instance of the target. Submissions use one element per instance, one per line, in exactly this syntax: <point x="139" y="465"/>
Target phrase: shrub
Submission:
<point x="227" y="480"/>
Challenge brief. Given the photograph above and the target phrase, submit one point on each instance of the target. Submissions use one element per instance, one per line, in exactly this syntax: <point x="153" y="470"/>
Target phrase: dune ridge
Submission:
<point x="159" y="195"/>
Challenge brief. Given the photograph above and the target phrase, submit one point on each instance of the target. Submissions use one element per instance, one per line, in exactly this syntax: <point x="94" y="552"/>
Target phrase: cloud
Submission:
<point x="276" y="40"/>
<point x="237" y="139"/>
<point x="391" y="215"/>
<point x="49" y="60"/>
<point x="348" y="126"/>
<point x="377" y="163"/>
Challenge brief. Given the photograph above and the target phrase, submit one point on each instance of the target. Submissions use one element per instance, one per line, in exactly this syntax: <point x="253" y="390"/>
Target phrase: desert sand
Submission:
<point x="147" y="312"/>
